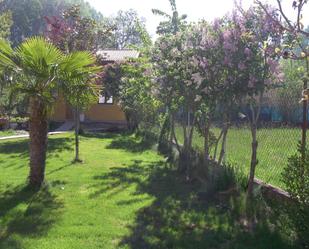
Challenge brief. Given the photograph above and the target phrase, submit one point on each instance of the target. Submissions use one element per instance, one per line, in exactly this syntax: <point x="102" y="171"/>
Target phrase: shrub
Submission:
<point x="296" y="178"/>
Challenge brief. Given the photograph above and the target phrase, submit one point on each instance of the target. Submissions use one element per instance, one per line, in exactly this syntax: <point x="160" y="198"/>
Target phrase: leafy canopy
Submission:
<point x="39" y="69"/>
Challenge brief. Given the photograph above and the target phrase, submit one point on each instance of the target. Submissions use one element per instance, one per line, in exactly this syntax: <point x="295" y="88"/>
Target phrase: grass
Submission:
<point x="276" y="145"/>
<point x="6" y="133"/>
<point x="123" y="196"/>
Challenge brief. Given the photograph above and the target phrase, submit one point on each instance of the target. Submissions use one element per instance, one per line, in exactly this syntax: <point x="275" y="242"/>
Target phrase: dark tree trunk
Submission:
<point x="38" y="141"/>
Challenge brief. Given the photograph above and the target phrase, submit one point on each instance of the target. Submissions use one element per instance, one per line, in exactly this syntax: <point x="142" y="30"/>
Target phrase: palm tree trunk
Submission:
<point x="77" y="128"/>
<point x="38" y="141"/>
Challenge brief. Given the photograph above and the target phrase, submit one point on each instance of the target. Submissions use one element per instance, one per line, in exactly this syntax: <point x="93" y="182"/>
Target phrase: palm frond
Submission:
<point x="173" y="5"/>
<point x="160" y="13"/>
<point x="80" y="61"/>
<point x="6" y="53"/>
<point x="38" y="56"/>
<point x="183" y="17"/>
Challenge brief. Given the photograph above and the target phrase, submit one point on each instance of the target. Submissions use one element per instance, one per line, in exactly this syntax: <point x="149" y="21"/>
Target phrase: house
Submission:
<point x="106" y="110"/>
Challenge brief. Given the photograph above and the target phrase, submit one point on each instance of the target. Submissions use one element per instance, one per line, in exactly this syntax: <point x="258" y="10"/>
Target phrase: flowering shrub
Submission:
<point x="211" y="69"/>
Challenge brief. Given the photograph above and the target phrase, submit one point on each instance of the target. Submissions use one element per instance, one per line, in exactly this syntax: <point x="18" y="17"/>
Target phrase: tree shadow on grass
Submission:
<point x="21" y="147"/>
<point x="132" y="143"/>
<point x="178" y="217"/>
<point x="27" y="213"/>
<point x="102" y="135"/>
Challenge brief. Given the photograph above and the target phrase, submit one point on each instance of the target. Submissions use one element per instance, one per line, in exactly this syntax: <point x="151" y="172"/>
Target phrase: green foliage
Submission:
<point x="12" y="104"/>
<point x="72" y="31"/>
<point x="6" y="23"/>
<point x="174" y="22"/>
<point x="130" y="83"/>
<point x="19" y="119"/>
<point x="296" y="178"/>
<point x="287" y="96"/>
<point x="135" y="96"/>
<point x="28" y="15"/>
<point x="129" y="30"/>
<point x="79" y="90"/>
<point x="38" y="69"/>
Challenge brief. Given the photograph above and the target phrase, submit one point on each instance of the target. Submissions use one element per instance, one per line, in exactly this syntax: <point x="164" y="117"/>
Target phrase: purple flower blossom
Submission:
<point x="248" y="52"/>
<point x="197" y="78"/>
<point x="241" y="66"/>
<point x="204" y="63"/>
<point x="252" y="81"/>
<point x="216" y="24"/>
<point x="226" y="61"/>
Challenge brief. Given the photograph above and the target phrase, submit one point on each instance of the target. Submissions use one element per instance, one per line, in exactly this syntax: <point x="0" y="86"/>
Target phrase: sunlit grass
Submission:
<point x="6" y="133"/>
<point x="274" y="148"/>
<point x="122" y="196"/>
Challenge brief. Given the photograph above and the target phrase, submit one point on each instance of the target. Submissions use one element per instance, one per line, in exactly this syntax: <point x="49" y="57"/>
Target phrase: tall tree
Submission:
<point x="40" y="70"/>
<point x="130" y="30"/>
<point x="72" y="32"/>
<point x="174" y="22"/>
<point x="6" y="23"/>
<point x="172" y="25"/>
<point x="28" y="15"/>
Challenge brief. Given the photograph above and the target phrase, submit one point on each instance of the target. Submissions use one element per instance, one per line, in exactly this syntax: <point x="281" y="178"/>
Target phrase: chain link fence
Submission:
<point x="278" y="134"/>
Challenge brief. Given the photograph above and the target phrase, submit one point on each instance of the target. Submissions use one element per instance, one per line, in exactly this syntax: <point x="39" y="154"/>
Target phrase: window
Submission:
<point x="106" y="99"/>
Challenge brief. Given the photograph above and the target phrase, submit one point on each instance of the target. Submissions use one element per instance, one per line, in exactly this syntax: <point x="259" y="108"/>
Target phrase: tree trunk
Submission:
<point x="249" y="197"/>
<point x="77" y="128"/>
<point x="254" y="147"/>
<point x="223" y="146"/>
<point x="38" y="141"/>
<point x="173" y="135"/>
<point x="206" y="141"/>
<point x="304" y="125"/>
<point x="217" y="143"/>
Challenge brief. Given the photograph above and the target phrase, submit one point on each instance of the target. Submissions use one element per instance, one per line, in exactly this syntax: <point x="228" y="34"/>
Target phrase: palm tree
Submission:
<point x="172" y="25"/>
<point x="41" y="72"/>
<point x="79" y="90"/>
<point x="174" y="22"/>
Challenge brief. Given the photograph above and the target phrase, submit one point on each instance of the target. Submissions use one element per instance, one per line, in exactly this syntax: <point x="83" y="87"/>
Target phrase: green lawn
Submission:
<point x="122" y="196"/>
<point x="275" y="146"/>
<point x="7" y="133"/>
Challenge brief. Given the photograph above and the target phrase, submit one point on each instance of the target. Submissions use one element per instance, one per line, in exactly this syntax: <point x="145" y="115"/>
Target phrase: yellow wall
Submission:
<point x="105" y="113"/>
<point x="96" y="113"/>
<point x="59" y="111"/>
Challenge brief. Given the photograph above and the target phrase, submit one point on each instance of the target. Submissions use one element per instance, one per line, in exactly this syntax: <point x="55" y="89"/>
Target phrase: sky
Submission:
<point x="195" y="9"/>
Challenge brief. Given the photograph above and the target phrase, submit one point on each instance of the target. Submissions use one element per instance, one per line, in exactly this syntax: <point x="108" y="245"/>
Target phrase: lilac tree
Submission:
<point x="294" y="47"/>
<point x="177" y="86"/>
<point x="206" y="55"/>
